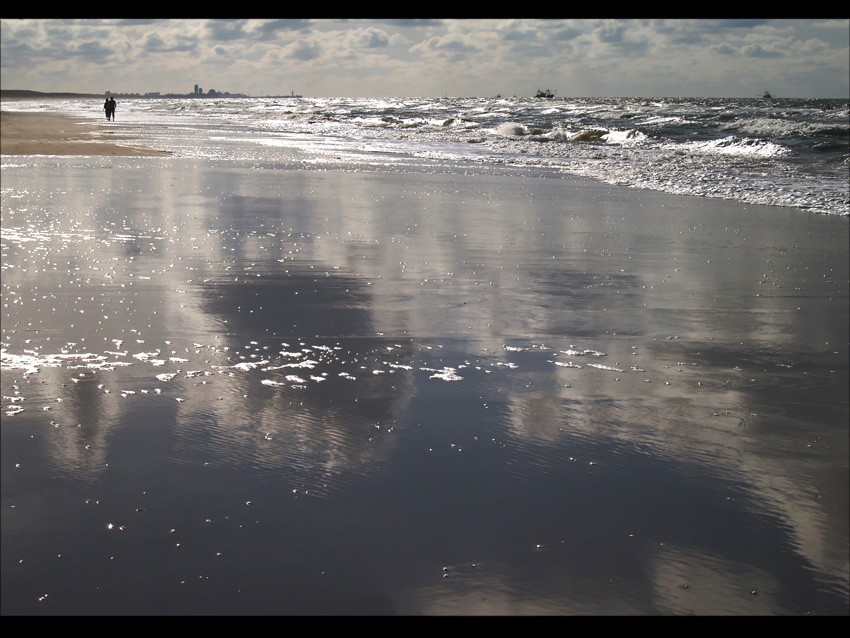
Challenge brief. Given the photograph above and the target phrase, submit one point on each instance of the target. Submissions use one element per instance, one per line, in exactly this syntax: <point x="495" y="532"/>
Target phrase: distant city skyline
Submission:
<point x="198" y="90"/>
<point x="431" y="58"/>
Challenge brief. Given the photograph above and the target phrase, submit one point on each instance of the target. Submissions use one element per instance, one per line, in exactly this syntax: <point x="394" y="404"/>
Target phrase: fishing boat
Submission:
<point x="547" y="93"/>
<point x="767" y="96"/>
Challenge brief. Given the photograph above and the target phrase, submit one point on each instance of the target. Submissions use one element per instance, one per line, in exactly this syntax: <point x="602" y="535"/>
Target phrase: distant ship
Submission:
<point x="547" y="93"/>
<point x="767" y="96"/>
<point x="292" y="94"/>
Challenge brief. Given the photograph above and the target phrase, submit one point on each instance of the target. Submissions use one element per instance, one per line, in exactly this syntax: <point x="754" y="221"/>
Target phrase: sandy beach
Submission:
<point x="23" y="133"/>
<point x="243" y="387"/>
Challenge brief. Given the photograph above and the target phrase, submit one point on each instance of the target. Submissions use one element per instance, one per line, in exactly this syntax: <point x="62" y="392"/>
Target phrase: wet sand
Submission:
<point x="234" y="389"/>
<point x="24" y="133"/>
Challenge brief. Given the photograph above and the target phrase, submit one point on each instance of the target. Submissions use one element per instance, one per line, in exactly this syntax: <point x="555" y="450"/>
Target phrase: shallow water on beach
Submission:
<point x="781" y="152"/>
<point x="239" y="388"/>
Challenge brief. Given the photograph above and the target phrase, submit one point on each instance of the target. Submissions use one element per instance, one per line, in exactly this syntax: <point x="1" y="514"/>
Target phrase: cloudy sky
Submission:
<point x="469" y="57"/>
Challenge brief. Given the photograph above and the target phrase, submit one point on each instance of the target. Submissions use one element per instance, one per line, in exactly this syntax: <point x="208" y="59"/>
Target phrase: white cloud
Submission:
<point x="427" y="57"/>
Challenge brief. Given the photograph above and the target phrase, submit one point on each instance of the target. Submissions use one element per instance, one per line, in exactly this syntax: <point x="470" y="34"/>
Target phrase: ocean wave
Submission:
<point x="740" y="146"/>
<point x="772" y="127"/>
<point x="617" y="140"/>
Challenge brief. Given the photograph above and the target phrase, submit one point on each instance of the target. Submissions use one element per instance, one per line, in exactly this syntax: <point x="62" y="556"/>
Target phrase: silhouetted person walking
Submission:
<point x="106" y="107"/>
<point x="111" y="109"/>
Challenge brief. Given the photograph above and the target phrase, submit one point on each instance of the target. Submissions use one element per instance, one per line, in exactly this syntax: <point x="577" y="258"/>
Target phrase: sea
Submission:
<point x="777" y="151"/>
<point x="428" y="357"/>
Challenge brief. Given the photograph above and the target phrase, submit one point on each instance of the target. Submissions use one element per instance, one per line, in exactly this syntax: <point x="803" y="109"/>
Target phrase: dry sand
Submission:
<point x="52" y="134"/>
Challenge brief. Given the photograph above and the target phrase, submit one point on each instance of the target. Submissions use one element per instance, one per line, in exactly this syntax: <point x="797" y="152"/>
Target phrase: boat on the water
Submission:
<point x="767" y="96"/>
<point x="547" y="93"/>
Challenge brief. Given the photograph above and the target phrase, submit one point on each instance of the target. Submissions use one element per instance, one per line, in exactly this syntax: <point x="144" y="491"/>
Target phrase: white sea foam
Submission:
<point x="447" y="374"/>
<point x="635" y="142"/>
<point x="740" y="146"/>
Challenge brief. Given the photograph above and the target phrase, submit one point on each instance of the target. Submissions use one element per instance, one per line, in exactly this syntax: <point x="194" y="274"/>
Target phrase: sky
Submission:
<point x="430" y="57"/>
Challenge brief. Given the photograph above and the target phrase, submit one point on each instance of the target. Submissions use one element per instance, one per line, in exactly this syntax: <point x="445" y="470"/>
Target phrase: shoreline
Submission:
<point x="56" y="134"/>
<point x="530" y="379"/>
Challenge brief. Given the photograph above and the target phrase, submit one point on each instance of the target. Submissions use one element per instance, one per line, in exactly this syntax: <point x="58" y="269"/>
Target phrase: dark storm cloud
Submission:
<point x="273" y="27"/>
<point x="565" y="34"/>
<point x="739" y="23"/>
<point x="155" y="44"/>
<point x="410" y="22"/>
<point x="136" y="22"/>
<point x="305" y="51"/>
<point x="757" y="51"/>
<point x="375" y="39"/>
<point x="225" y="30"/>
